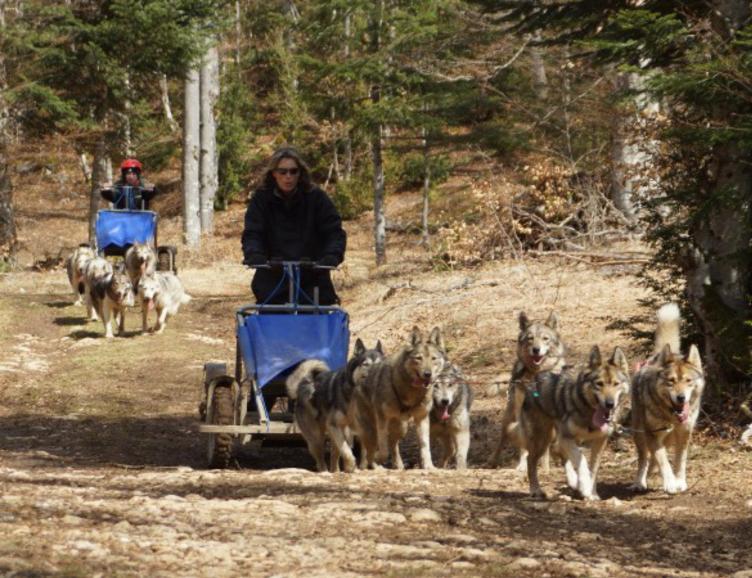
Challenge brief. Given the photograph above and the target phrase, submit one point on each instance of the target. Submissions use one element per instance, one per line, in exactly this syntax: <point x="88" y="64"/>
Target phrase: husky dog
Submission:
<point x="399" y="389"/>
<point x="539" y="348"/>
<point x="450" y="416"/>
<point x="324" y="404"/>
<point x="666" y="396"/>
<point x="579" y="409"/>
<point x="163" y="292"/>
<point x="140" y="260"/>
<point x="95" y="270"/>
<point x="75" y="266"/>
<point x="110" y="296"/>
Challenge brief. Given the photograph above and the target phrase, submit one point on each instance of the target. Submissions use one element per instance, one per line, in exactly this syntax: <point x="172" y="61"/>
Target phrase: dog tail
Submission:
<point x="300" y="382"/>
<point x="667" y="330"/>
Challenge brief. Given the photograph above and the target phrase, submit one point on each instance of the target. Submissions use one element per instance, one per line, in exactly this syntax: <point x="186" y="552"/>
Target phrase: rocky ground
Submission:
<point x="102" y="471"/>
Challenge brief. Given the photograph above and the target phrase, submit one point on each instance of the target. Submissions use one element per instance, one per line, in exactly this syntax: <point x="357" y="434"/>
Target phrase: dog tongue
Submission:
<point x="150" y="306"/>
<point x="445" y="415"/>
<point x="684" y="415"/>
<point x="600" y="419"/>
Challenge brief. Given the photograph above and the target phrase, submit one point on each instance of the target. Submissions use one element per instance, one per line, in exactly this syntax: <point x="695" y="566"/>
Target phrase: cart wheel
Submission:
<point x="219" y="450"/>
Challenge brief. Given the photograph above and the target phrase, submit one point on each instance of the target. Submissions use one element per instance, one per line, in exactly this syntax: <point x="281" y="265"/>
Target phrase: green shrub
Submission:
<point x="413" y="168"/>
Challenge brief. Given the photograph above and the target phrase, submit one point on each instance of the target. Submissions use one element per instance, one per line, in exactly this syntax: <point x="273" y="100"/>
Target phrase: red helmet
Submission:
<point x="130" y="164"/>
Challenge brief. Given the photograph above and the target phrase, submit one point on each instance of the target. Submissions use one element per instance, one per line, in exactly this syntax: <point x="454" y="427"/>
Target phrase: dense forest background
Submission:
<point x="608" y="119"/>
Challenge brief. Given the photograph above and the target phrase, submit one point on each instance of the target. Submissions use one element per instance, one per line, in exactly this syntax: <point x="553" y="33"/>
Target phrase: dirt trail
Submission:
<point x="102" y="472"/>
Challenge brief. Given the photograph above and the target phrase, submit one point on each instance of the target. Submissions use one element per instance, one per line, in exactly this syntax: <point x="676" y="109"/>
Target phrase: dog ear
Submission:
<point x="619" y="360"/>
<point x="524" y="321"/>
<point x="416" y="338"/>
<point x="359" y="347"/>
<point x="379" y="347"/>
<point x="665" y="355"/>
<point x="595" y="357"/>
<point x="553" y="321"/>
<point x="436" y="338"/>
<point x="693" y="358"/>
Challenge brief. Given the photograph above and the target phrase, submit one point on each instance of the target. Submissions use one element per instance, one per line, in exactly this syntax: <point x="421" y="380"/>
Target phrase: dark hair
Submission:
<point x="286" y="152"/>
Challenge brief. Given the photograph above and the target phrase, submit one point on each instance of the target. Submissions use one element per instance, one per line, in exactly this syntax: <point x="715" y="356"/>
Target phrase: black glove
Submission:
<point x="255" y="259"/>
<point x="328" y="261"/>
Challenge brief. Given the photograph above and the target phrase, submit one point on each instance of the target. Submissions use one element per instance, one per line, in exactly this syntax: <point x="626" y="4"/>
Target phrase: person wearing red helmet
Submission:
<point x="129" y="192"/>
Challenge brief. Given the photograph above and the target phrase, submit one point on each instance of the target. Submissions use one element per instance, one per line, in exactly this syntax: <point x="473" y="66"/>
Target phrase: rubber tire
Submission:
<point x="220" y="449"/>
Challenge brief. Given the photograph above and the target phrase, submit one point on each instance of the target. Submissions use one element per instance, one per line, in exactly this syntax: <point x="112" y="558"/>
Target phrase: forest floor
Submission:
<point x="102" y="470"/>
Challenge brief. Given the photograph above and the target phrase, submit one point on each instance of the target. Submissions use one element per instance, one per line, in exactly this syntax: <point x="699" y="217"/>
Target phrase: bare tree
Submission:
<point x="101" y="174"/>
<point x="191" y="137"/>
<point x="7" y="215"/>
<point x="166" y="107"/>
<point x="209" y="176"/>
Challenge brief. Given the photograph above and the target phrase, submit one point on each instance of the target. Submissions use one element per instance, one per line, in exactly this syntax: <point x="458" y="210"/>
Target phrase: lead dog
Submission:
<point x="163" y="292"/>
<point x="539" y="349"/>
<point x="110" y="296"/>
<point x="666" y="397"/>
<point x="579" y="409"/>
<point x="398" y="390"/>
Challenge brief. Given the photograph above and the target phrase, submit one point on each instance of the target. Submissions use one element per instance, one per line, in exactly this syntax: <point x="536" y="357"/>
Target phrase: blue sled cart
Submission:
<point x="271" y="340"/>
<point x="118" y="229"/>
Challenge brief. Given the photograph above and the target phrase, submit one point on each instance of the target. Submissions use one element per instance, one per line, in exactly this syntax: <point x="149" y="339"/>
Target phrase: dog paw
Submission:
<point x="592" y="497"/>
<point x="670" y="487"/>
<point x="681" y="485"/>
<point x="521" y="467"/>
<point x="637" y="487"/>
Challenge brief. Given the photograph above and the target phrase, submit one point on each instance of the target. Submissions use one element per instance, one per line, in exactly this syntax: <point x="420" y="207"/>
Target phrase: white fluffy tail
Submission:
<point x="304" y="375"/>
<point x="667" y="330"/>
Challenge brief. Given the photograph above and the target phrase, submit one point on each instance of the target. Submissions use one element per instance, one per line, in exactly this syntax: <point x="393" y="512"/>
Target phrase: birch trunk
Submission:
<point x="191" y="137"/>
<point x="99" y="177"/>
<point x="166" y="107"/>
<point x="540" y="79"/>
<point x="209" y="177"/>
<point x="426" y="189"/>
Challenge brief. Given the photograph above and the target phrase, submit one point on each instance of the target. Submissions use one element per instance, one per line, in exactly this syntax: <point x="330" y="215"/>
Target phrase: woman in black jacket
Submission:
<point x="291" y="219"/>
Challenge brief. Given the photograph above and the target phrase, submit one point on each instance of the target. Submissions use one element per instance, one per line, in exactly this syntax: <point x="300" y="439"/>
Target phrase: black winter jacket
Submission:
<point x="305" y="226"/>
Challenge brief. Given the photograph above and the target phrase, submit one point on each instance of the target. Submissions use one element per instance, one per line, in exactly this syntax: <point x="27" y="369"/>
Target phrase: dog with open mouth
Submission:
<point x="539" y="348"/>
<point x="163" y="292"/>
<point x="450" y="417"/>
<point x="578" y="408"/>
<point x="666" y="397"/>
<point x="398" y="390"/>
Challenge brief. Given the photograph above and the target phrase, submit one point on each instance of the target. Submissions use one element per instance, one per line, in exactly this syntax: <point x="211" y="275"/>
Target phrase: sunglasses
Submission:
<point x="283" y="172"/>
<point x="129" y="171"/>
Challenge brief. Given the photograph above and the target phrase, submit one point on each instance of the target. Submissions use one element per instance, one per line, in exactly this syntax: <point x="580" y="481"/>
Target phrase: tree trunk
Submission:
<point x="209" y="177"/>
<point x="191" y="137"/>
<point x="379" y="217"/>
<point x="630" y="152"/>
<point x="540" y="79"/>
<point x="98" y="180"/>
<point x="719" y="277"/>
<point x="426" y="188"/>
<point x="166" y="107"/>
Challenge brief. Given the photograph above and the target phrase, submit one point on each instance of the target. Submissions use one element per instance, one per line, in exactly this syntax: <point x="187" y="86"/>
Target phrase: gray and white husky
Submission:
<point x="110" y="296"/>
<point x="163" y="292"/>
<point x="325" y="404"/>
<point x="140" y="260"/>
<point x="95" y="271"/>
<point x="75" y="265"/>
<point x="399" y="390"/>
<point x="450" y="416"/>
